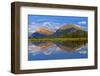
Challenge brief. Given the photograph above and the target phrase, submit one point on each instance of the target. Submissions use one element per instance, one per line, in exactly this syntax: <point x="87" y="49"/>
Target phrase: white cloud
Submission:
<point x="47" y="24"/>
<point x="31" y="28"/>
<point x="51" y="26"/>
<point x="82" y="22"/>
<point x="33" y="23"/>
<point x="39" y="20"/>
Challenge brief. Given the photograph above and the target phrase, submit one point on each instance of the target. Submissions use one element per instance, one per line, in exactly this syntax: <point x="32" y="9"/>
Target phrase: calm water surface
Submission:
<point x="47" y="50"/>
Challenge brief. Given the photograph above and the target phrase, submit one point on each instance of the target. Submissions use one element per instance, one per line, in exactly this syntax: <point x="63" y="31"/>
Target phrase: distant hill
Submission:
<point x="68" y="30"/>
<point x="37" y="34"/>
<point x="42" y="32"/>
<point x="68" y="26"/>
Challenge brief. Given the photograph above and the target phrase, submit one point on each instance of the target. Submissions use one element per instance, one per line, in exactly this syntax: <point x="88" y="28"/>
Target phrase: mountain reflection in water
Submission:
<point x="57" y="50"/>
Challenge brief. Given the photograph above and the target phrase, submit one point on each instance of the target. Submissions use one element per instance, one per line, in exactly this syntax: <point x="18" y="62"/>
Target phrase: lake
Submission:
<point x="49" y="50"/>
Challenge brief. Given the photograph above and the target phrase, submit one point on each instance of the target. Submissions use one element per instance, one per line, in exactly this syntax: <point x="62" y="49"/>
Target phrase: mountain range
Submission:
<point x="67" y="30"/>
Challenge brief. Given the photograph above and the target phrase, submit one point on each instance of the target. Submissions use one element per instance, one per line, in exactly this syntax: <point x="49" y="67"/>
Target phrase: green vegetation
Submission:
<point x="57" y="39"/>
<point x="63" y="35"/>
<point x="77" y="34"/>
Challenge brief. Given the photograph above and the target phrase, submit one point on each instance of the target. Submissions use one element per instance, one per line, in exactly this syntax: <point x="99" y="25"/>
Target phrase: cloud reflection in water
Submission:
<point x="57" y="50"/>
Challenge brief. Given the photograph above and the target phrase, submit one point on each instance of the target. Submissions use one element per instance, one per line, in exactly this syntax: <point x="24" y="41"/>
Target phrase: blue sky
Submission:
<point x="54" y="22"/>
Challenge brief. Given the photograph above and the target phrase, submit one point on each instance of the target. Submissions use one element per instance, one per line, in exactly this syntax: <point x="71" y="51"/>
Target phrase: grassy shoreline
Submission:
<point x="57" y="39"/>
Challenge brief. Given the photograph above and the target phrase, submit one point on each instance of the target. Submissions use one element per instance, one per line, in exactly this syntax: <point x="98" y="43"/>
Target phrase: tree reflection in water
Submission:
<point x="57" y="50"/>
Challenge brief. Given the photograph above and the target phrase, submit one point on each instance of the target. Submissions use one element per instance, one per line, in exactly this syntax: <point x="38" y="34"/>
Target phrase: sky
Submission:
<point x="54" y="22"/>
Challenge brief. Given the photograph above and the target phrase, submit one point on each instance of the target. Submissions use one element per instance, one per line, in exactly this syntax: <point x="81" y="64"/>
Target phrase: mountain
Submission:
<point x="68" y="30"/>
<point x="42" y="32"/>
<point x="68" y="26"/>
<point x="36" y="34"/>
